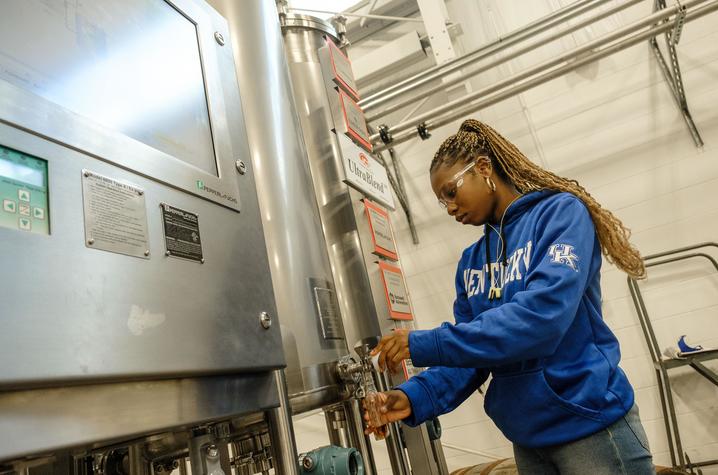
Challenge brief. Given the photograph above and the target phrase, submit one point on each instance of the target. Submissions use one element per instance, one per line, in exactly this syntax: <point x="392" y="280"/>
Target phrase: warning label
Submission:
<point x="182" y="237"/>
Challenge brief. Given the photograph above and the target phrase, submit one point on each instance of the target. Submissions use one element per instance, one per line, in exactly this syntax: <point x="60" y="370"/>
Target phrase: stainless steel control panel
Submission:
<point x="109" y="111"/>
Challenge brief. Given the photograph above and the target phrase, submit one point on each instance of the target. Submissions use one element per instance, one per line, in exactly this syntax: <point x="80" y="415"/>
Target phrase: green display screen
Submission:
<point x="23" y="192"/>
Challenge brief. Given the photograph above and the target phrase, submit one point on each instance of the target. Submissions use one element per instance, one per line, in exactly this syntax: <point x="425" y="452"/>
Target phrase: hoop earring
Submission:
<point x="490" y="183"/>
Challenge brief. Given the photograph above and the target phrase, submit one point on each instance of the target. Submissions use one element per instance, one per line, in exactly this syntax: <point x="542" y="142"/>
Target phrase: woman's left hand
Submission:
<point x="393" y="349"/>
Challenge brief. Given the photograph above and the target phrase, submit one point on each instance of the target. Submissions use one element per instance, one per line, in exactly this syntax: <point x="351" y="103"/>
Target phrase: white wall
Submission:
<point x="614" y="127"/>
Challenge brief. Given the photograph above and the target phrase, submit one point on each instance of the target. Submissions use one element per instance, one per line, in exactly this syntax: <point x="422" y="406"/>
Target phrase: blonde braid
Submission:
<point x="475" y="137"/>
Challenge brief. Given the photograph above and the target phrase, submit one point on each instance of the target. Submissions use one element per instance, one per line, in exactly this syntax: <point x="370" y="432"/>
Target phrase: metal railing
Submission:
<point x="661" y="365"/>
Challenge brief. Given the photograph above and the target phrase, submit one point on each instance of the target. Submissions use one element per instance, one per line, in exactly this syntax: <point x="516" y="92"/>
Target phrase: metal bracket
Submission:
<point x="339" y="22"/>
<point x="385" y="134"/>
<point x="672" y="74"/>
<point x="423" y="131"/>
<point x="678" y="24"/>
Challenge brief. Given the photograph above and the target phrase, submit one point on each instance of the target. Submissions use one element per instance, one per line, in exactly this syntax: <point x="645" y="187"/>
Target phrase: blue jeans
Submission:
<point x="621" y="448"/>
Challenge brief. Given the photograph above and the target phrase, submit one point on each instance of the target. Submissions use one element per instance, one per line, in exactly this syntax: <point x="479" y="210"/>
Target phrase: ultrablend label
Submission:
<point x="364" y="173"/>
<point x="182" y="238"/>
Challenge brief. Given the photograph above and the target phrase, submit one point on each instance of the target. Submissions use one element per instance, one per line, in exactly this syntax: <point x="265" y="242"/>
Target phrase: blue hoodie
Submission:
<point x="553" y="360"/>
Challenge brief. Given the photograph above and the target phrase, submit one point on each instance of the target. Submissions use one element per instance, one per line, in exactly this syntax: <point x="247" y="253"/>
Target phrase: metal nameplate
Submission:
<point x="182" y="238"/>
<point x="329" y="317"/>
<point x="115" y="215"/>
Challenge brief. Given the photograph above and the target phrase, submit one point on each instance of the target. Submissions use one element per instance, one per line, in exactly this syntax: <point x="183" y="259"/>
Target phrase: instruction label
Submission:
<point x="397" y="296"/>
<point x="182" y="238"/>
<point x="354" y="121"/>
<point x="381" y="233"/>
<point x="115" y="215"/>
<point x="342" y="68"/>
<point x="409" y="369"/>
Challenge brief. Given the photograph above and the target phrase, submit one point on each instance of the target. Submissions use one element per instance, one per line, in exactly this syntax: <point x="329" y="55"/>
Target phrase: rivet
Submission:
<point x="266" y="320"/>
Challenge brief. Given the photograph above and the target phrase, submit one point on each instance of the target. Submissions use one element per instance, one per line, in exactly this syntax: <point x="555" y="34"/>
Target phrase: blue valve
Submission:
<point x="332" y="460"/>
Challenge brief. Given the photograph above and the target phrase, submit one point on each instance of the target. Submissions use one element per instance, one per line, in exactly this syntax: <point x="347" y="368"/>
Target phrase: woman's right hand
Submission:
<point x="393" y="406"/>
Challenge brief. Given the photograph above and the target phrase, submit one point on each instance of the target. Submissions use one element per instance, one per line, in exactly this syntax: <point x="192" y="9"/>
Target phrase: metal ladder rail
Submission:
<point x="667" y="404"/>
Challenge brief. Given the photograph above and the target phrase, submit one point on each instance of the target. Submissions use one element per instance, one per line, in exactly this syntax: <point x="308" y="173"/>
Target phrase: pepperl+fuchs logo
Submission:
<point x="218" y="194"/>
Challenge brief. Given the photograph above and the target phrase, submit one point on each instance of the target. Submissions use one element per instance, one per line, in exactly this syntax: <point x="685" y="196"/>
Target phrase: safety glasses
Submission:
<point x="449" y="190"/>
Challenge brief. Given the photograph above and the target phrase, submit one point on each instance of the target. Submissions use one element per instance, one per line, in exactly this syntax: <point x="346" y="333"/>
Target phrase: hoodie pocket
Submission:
<point x="530" y="413"/>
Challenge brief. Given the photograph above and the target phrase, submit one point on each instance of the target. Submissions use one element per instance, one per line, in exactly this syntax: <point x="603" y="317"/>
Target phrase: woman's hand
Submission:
<point x="393" y="406"/>
<point x="392" y="349"/>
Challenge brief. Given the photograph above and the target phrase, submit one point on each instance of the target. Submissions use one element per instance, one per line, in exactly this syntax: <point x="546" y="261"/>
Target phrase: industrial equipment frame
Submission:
<point x="662" y="365"/>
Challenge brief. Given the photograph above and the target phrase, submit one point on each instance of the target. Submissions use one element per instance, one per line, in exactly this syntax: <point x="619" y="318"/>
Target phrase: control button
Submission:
<point x="24" y="224"/>
<point x="24" y="195"/>
<point x="38" y="213"/>
<point x="9" y="206"/>
<point x="24" y="209"/>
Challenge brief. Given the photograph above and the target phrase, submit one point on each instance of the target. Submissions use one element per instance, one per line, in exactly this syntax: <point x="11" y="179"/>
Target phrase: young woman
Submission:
<point x="528" y="312"/>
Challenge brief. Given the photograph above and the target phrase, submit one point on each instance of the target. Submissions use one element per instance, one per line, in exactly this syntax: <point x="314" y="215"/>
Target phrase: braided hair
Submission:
<point x="476" y="138"/>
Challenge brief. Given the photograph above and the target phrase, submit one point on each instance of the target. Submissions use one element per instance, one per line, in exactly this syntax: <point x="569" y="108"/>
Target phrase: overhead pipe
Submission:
<point x="358" y="15"/>
<point x="501" y="60"/>
<point x="473" y="107"/>
<point x="586" y="48"/>
<point x="406" y="130"/>
<point x="575" y="9"/>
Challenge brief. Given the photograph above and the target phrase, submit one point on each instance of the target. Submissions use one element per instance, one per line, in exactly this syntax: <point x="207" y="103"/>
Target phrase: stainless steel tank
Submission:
<point x="312" y="331"/>
<point x="362" y="296"/>
<point x="303" y="36"/>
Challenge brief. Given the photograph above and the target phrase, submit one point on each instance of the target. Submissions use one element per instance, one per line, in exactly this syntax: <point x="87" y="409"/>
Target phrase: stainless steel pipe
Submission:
<point x="573" y="59"/>
<point x="475" y="106"/>
<point x="281" y="430"/>
<point x="397" y="454"/>
<point x="575" y="9"/>
<point x="359" y="440"/>
<point x="526" y="49"/>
